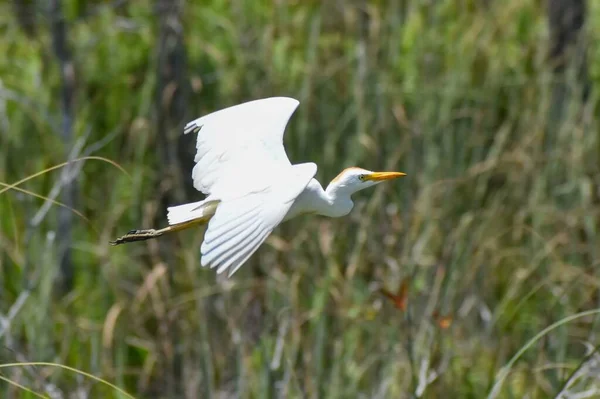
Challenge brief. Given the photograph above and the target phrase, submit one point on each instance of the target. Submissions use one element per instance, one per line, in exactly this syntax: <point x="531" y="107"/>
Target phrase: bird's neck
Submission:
<point x="338" y="200"/>
<point x="332" y="202"/>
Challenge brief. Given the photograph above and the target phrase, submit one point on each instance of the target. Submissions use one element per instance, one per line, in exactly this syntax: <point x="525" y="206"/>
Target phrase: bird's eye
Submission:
<point x="362" y="177"/>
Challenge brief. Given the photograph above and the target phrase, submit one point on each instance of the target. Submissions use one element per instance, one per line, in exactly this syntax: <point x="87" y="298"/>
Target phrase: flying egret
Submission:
<point x="250" y="184"/>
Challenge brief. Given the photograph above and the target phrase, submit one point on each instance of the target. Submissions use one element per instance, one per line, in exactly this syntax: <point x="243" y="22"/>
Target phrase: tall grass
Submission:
<point x="495" y="228"/>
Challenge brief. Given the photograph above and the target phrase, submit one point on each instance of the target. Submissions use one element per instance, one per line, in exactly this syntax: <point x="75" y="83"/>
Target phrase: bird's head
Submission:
<point x="354" y="179"/>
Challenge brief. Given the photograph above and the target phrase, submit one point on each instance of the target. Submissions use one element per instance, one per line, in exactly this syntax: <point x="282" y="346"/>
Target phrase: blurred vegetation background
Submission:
<point x="490" y="106"/>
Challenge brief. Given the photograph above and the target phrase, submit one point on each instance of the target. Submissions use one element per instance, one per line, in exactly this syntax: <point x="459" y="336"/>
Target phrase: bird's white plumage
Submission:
<point x="238" y="143"/>
<point x="242" y="223"/>
<point x="241" y="162"/>
<point x="251" y="186"/>
<point x="185" y="212"/>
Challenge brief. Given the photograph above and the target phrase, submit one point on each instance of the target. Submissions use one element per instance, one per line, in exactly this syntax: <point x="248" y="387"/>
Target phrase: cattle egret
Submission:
<point x="250" y="184"/>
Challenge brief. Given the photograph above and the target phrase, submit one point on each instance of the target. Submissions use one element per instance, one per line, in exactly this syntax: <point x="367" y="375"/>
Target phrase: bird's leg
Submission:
<point x="140" y="235"/>
<point x="147" y="234"/>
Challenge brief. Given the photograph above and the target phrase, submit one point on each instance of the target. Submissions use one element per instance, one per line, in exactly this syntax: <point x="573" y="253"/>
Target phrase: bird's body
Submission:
<point x="250" y="184"/>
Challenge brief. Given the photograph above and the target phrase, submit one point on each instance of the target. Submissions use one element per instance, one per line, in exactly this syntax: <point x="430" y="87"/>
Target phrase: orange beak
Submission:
<point x="381" y="176"/>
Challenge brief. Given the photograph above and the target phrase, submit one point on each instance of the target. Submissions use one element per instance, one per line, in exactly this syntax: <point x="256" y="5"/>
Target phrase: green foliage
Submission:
<point x="495" y="225"/>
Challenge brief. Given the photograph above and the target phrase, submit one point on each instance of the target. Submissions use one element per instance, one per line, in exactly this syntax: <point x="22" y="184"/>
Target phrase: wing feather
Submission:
<point x="238" y="141"/>
<point x="235" y="222"/>
<point x="242" y="256"/>
<point x="237" y="237"/>
<point x="231" y="239"/>
<point x="233" y="228"/>
<point x="218" y="253"/>
<point x="249" y="243"/>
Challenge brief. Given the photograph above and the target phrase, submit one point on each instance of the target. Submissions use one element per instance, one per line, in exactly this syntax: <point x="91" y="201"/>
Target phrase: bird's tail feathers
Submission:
<point x="195" y="210"/>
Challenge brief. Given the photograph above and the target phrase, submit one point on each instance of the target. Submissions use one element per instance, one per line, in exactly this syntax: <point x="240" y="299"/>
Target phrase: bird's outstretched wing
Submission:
<point x="242" y="163"/>
<point x="240" y="141"/>
<point x="240" y="225"/>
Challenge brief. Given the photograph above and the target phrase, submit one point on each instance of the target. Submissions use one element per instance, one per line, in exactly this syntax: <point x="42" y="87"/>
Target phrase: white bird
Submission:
<point x="250" y="184"/>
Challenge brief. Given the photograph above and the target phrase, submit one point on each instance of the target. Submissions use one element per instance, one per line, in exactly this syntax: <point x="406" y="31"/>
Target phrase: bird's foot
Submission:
<point x="137" y="235"/>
